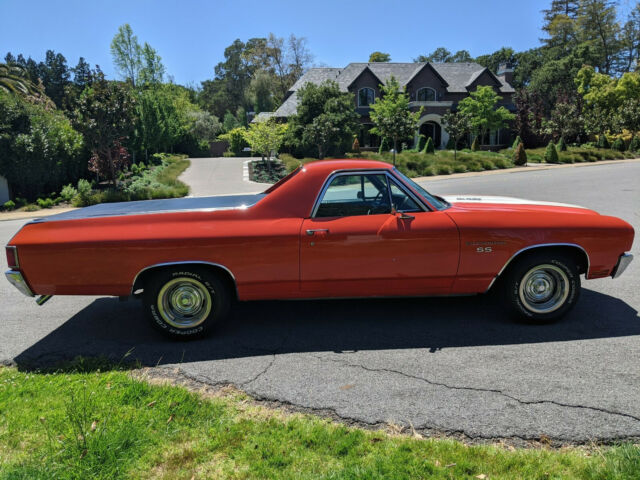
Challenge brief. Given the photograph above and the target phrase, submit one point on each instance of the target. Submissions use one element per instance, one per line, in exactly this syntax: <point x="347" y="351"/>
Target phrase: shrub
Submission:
<point x="603" y="142"/>
<point x="429" y="147"/>
<point x="68" y="192"/>
<point x="562" y="146"/>
<point x="634" y="145"/>
<point x="32" y="207"/>
<point x="421" y="142"/>
<point x="460" y="168"/>
<point x="520" y="155"/>
<point x="618" y="145"/>
<point x="451" y="144"/>
<point x="501" y="163"/>
<point x="443" y="170"/>
<point x="384" y="146"/>
<point x="355" y="147"/>
<point x="475" y="146"/>
<point x="39" y="149"/>
<point x="45" y="203"/>
<point x="516" y="142"/>
<point x="236" y="139"/>
<point x="82" y="199"/>
<point x="9" y="205"/>
<point x="551" y="154"/>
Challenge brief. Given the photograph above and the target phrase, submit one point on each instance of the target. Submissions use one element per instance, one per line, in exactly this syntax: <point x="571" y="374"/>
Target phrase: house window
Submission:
<point x="426" y="94"/>
<point x="366" y="96"/>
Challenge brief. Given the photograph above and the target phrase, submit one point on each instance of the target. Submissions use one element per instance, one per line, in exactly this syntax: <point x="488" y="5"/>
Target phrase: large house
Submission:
<point x="437" y="87"/>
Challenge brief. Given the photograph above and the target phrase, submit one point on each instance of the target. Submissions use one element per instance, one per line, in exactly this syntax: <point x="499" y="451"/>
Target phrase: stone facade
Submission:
<point x="435" y="87"/>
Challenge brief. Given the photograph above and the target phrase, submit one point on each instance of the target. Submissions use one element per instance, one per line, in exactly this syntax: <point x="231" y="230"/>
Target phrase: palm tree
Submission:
<point x="14" y="79"/>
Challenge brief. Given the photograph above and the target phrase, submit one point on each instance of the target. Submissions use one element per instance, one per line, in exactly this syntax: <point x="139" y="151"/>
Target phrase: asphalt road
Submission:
<point x="218" y="176"/>
<point x="453" y="366"/>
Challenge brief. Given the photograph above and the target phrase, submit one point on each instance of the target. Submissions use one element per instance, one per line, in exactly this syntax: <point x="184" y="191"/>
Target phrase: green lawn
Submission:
<point x="444" y="162"/>
<point x="84" y="423"/>
<point x="578" y="154"/>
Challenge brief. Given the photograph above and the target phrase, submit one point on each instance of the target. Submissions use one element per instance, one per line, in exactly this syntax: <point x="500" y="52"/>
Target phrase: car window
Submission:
<point x="401" y="201"/>
<point x="349" y="195"/>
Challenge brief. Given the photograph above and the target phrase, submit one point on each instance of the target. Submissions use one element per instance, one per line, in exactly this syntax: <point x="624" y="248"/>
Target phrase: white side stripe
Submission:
<point x="503" y="200"/>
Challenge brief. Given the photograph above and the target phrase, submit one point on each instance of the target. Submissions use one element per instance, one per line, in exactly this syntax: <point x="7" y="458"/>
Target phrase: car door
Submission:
<point x="368" y="236"/>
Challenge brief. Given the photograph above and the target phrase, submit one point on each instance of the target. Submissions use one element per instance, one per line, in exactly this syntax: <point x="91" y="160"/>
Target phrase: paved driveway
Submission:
<point x="443" y="365"/>
<point x="218" y="176"/>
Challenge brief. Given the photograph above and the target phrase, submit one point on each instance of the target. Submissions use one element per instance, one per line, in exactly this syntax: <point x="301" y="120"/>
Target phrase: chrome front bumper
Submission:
<point x="17" y="280"/>
<point x="621" y="266"/>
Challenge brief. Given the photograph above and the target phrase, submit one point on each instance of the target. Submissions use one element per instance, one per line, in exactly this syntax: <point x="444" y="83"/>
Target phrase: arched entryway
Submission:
<point x="432" y="130"/>
<point x="431" y="127"/>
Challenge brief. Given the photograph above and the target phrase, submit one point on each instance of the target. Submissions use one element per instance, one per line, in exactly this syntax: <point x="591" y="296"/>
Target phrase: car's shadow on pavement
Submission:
<point x="109" y="328"/>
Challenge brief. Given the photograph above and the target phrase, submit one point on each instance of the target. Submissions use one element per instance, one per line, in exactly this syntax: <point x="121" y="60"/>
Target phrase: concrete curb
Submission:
<point x="7" y="216"/>
<point x="531" y="167"/>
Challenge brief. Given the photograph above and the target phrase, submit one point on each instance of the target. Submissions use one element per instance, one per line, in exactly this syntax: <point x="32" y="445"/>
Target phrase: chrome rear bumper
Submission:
<point x="621" y="266"/>
<point x="17" y="280"/>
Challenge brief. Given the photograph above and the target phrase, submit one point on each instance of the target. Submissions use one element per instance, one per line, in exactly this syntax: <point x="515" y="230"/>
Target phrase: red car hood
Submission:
<point x="486" y="202"/>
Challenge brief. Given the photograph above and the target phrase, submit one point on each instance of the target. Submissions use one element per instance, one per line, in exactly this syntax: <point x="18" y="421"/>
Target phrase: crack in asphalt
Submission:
<point x="477" y="389"/>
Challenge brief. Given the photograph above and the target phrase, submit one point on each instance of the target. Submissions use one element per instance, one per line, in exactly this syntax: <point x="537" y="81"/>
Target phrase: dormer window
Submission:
<point x="366" y="97"/>
<point x="426" y="94"/>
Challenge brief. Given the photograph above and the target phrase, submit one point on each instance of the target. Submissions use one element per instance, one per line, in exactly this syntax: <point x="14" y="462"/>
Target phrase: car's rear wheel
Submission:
<point x="542" y="287"/>
<point x="185" y="302"/>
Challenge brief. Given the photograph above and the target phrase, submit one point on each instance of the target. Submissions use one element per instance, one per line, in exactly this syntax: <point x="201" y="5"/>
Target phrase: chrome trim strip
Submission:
<point x="17" y="280"/>
<point x="15" y="255"/>
<point x="192" y="262"/>
<point x="390" y="177"/>
<point x="530" y="247"/>
<point x="623" y="262"/>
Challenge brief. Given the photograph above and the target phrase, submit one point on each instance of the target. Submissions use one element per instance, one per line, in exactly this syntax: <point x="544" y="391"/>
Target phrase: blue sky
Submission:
<point x="190" y="36"/>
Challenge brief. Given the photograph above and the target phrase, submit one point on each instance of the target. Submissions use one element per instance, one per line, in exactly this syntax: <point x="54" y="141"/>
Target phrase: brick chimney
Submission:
<point x="506" y="69"/>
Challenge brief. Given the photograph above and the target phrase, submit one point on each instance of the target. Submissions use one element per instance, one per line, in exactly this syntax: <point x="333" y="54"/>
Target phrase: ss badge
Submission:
<point x="484" y="250"/>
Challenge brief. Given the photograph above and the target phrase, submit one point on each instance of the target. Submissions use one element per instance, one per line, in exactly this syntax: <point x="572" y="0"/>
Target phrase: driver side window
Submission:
<point x="355" y="194"/>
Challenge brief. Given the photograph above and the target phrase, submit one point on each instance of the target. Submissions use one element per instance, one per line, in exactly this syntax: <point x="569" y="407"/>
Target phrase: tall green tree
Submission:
<point x="152" y="70"/>
<point x="391" y="116"/>
<point x="265" y="138"/>
<point x="481" y="107"/>
<point x="106" y="117"/>
<point x="326" y="119"/>
<point x="560" y="24"/>
<point x="630" y="42"/>
<point x="379" y="57"/>
<point x="457" y="125"/>
<point x="442" y="55"/>
<point x="81" y="73"/>
<point x="600" y="28"/>
<point x="127" y="53"/>
<point x="54" y="73"/>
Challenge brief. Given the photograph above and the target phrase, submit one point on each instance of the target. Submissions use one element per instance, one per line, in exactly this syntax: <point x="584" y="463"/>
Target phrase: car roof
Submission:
<point x="328" y="166"/>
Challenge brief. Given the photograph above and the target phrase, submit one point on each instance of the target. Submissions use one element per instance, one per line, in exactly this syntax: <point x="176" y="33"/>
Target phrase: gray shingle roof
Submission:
<point x="457" y="75"/>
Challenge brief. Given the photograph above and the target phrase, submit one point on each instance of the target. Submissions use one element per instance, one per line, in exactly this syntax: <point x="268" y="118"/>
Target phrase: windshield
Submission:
<point x="436" y="202"/>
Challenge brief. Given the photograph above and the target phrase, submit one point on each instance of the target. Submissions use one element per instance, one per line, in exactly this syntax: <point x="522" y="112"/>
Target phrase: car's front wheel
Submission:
<point x="543" y="287"/>
<point x="185" y="302"/>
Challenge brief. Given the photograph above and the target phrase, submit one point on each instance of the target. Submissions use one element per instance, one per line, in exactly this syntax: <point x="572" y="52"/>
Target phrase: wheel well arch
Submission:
<point x="222" y="272"/>
<point x="578" y="253"/>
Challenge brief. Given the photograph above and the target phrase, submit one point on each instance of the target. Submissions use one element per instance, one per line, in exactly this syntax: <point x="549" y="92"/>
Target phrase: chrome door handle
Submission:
<point x="404" y="216"/>
<point x="319" y="230"/>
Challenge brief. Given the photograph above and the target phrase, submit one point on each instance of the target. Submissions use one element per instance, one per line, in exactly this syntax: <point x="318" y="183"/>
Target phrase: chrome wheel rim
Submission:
<point x="184" y="302"/>
<point x="544" y="288"/>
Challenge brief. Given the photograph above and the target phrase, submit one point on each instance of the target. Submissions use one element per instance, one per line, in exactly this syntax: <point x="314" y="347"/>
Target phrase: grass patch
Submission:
<point x="578" y="154"/>
<point x="86" y="423"/>
<point x="263" y="172"/>
<point x="417" y="164"/>
<point x="145" y="183"/>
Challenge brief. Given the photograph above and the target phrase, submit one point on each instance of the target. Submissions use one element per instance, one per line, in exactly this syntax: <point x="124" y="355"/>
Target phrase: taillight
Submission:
<point x="12" y="258"/>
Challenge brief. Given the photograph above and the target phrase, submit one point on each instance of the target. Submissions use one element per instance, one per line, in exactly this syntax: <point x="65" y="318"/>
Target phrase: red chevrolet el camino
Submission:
<point x="334" y="228"/>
